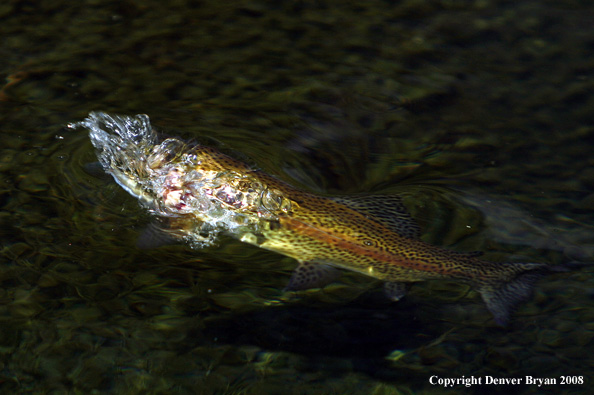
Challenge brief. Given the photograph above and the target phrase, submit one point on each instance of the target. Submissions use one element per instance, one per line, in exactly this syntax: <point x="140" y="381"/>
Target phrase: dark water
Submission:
<point x="479" y="112"/>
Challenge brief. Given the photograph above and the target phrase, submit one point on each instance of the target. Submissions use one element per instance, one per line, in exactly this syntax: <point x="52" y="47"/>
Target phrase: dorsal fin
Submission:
<point x="388" y="210"/>
<point x="468" y="254"/>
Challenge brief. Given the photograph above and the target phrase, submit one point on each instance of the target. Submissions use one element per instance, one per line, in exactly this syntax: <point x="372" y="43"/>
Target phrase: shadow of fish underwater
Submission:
<point x="202" y="193"/>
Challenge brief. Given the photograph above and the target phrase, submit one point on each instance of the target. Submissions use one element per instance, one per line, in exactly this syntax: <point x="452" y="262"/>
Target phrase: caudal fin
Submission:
<point x="503" y="297"/>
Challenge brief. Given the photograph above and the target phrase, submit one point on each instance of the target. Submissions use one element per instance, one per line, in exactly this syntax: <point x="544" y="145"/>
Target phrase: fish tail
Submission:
<point x="514" y="286"/>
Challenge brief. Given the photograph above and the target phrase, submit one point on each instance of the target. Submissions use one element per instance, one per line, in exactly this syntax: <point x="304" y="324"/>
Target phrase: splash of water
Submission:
<point x="167" y="178"/>
<point x="123" y="145"/>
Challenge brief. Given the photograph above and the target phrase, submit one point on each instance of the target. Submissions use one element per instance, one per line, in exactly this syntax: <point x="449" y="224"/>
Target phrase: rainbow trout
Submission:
<point x="203" y="193"/>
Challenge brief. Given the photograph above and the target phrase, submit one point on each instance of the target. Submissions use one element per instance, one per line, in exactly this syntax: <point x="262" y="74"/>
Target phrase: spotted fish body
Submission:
<point x="202" y="192"/>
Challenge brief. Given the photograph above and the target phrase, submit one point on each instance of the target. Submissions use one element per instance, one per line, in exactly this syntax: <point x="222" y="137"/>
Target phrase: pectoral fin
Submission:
<point x="155" y="236"/>
<point x="394" y="291"/>
<point x="169" y="231"/>
<point x="311" y="275"/>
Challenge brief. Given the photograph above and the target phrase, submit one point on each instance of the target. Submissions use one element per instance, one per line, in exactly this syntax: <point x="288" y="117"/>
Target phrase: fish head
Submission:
<point x="197" y="185"/>
<point x="129" y="149"/>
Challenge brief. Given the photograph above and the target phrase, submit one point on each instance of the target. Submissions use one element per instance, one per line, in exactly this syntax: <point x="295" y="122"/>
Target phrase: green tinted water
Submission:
<point x="478" y="112"/>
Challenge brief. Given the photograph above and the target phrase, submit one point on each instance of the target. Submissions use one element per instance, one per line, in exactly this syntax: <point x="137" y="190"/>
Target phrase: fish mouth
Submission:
<point x="133" y="187"/>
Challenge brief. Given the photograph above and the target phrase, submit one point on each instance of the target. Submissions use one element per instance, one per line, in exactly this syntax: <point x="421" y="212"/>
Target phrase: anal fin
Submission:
<point x="502" y="297"/>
